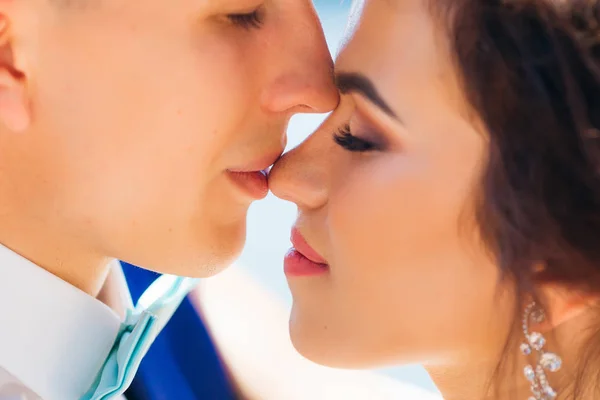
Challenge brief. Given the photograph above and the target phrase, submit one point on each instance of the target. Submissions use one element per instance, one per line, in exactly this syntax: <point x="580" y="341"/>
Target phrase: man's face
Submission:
<point x="139" y="110"/>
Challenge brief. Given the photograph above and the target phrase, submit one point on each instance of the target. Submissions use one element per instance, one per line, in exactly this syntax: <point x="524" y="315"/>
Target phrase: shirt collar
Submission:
<point x="55" y="337"/>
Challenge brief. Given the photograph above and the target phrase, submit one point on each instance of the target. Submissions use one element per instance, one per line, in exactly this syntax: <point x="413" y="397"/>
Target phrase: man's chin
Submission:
<point x="194" y="266"/>
<point x="194" y="256"/>
<point x="206" y="270"/>
<point x="197" y="269"/>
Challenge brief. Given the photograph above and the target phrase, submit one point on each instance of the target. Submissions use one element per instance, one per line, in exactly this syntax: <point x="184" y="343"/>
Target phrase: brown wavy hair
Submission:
<point x="530" y="70"/>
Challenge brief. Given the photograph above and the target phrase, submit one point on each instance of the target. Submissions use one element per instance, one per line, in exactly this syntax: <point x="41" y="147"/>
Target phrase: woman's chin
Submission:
<point x="315" y="344"/>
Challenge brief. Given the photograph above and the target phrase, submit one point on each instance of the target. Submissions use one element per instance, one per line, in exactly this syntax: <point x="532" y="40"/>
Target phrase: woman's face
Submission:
<point x="390" y="209"/>
<point x="141" y="110"/>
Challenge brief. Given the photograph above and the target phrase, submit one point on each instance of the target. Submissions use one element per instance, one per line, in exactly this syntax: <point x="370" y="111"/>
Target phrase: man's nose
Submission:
<point x="303" y="75"/>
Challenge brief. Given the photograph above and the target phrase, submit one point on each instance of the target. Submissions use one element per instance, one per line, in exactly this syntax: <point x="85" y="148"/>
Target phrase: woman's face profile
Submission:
<point x="386" y="190"/>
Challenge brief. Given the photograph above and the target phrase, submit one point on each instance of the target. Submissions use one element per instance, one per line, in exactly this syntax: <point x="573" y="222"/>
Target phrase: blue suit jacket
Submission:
<point x="182" y="363"/>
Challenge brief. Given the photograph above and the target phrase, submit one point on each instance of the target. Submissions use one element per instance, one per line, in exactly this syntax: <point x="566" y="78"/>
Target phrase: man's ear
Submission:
<point x="14" y="102"/>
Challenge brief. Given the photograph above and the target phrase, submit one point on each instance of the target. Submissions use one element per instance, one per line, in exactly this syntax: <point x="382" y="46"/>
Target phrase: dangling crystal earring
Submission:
<point x="546" y="361"/>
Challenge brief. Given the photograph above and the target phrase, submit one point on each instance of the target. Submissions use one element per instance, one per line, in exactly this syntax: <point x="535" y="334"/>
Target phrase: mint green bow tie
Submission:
<point x="153" y="310"/>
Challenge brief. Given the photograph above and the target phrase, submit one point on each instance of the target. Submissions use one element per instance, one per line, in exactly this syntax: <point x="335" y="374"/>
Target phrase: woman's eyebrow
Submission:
<point x="348" y="82"/>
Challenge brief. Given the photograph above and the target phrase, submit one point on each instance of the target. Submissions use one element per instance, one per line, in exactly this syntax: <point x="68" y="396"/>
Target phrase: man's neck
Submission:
<point x="60" y="255"/>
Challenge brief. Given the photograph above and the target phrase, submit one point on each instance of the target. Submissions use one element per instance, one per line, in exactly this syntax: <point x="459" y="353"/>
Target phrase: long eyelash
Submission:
<point x="251" y="20"/>
<point x="348" y="141"/>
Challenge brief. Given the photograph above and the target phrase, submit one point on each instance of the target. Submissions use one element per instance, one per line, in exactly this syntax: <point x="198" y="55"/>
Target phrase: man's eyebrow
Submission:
<point x="348" y="82"/>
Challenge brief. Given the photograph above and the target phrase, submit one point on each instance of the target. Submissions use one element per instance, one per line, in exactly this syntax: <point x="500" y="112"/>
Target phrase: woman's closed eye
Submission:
<point x="344" y="138"/>
<point x="251" y="20"/>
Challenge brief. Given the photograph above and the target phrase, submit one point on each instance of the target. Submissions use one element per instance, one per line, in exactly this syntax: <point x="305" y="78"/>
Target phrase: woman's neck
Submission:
<point x="470" y="379"/>
<point x="473" y="381"/>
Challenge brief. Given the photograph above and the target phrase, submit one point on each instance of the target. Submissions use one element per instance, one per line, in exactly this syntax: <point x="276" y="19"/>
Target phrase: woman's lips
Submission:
<point x="303" y="247"/>
<point x="303" y="260"/>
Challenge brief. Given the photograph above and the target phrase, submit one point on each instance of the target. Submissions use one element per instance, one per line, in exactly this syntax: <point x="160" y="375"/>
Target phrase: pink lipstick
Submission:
<point x="302" y="259"/>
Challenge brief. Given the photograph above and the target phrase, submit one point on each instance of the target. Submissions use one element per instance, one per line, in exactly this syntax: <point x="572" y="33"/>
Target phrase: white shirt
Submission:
<point x="54" y="338"/>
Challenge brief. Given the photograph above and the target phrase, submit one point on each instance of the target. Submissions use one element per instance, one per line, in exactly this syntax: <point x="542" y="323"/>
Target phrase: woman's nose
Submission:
<point x="300" y="176"/>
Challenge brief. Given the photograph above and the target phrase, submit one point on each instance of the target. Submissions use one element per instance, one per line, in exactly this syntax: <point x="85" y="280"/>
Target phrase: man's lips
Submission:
<point x="262" y="164"/>
<point x="253" y="184"/>
<point x="305" y="249"/>
<point x="252" y="177"/>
